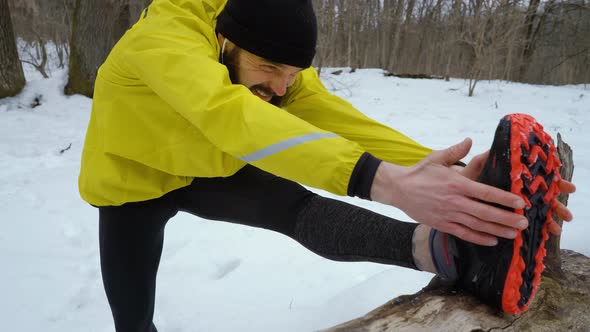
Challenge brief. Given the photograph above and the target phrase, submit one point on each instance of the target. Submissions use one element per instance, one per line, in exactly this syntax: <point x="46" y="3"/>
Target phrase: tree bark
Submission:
<point x="562" y="301"/>
<point x="527" y="49"/>
<point x="561" y="304"/>
<point x="553" y="260"/>
<point x="12" y="78"/>
<point x="395" y="54"/>
<point x="97" y="26"/>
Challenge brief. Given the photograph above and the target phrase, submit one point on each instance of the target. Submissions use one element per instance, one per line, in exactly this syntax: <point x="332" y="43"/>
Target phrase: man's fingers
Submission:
<point x="563" y="212"/>
<point x="566" y="187"/>
<point x="475" y="166"/>
<point x="468" y="234"/>
<point x="480" y="159"/>
<point x="554" y="228"/>
<point x="451" y="154"/>
<point x="484" y="226"/>
<point x="491" y="194"/>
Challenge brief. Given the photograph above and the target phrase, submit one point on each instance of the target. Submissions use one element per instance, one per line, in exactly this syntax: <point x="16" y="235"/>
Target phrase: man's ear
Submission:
<point x="224" y="42"/>
<point x="221" y="39"/>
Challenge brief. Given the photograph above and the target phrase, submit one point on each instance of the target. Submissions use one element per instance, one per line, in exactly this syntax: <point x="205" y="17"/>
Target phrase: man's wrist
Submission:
<point x="363" y="175"/>
<point x="386" y="184"/>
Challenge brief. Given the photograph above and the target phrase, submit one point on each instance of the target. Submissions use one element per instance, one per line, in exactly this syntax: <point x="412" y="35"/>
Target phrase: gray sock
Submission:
<point x="443" y="251"/>
<point x="344" y="232"/>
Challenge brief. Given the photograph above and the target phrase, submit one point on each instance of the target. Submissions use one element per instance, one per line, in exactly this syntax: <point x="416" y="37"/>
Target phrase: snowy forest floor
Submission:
<point x="216" y="276"/>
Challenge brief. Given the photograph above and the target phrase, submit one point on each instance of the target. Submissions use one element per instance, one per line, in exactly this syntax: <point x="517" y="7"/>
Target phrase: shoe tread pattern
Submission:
<point x="534" y="175"/>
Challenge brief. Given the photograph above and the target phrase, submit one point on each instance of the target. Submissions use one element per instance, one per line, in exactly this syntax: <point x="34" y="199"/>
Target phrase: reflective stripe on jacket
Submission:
<point x="165" y="111"/>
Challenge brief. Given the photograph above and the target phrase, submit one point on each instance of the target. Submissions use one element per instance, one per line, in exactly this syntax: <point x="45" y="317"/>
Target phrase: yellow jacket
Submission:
<point x="165" y="111"/>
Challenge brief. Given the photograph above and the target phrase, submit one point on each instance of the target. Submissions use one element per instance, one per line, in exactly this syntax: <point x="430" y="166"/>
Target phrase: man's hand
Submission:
<point x="432" y="193"/>
<point x="475" y="166"/>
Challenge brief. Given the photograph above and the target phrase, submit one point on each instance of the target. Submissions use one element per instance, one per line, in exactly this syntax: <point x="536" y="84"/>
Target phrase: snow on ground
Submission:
<point x="221" y="277"/>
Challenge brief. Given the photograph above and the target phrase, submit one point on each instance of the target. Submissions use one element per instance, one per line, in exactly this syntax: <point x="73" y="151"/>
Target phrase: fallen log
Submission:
<point x="414" y="76"/>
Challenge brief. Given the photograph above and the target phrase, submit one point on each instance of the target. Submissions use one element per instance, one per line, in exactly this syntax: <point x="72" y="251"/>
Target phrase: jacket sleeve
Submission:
<point x="309" y="100"/>
<point x="181" y="67"/>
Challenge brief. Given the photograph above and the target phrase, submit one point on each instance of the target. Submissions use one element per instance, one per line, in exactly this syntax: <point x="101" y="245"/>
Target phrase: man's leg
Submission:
<point x="435" y="252"/>
<point x="421" y="249"/>
<point x="330" y="228"/>
<point x="131" y="238"/>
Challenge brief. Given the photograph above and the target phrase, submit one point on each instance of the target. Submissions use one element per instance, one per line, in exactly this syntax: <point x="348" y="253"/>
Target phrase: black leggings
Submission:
<point x="132" y="235"/>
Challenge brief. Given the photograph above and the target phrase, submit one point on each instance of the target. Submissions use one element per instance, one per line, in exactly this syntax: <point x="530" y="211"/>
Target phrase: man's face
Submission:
<point x="264" y="78"/>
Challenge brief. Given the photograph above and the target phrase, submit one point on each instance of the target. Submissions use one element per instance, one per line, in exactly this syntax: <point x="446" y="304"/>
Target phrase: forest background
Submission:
<point x="539" y="42"/>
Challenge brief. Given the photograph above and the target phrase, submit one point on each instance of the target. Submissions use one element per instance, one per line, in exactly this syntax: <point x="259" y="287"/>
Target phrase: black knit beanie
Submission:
<point x="283" y="31"/>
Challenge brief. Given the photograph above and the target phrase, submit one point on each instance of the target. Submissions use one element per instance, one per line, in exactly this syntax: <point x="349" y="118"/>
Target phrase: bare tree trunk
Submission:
<point x="507" y="75"/>
<point x="553" y="259"/>
<point x="527" y="49"/>
<point x="12" y="78"/>
<point x="474" y="77"/>
<point x="448" y="68"/>
<point x="394" y="59"/>
<point x="136" y="7"/>
<point x="350" y="25"/>
<point x="97" y="26"/>
<point x="326" y="27"/>
<point x="404" y="37"/>
<point x="386" y="33"/>
<point x="454" y="31"/>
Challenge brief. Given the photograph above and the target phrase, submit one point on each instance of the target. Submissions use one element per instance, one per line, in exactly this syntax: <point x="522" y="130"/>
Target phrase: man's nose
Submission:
<point x="280" y="85"/>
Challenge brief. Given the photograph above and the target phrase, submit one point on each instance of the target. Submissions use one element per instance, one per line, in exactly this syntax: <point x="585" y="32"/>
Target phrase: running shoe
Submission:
<point x="523" y="161"/>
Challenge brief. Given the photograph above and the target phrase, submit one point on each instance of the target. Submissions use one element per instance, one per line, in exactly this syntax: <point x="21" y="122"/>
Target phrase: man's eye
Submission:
<point x="269" y="68"/>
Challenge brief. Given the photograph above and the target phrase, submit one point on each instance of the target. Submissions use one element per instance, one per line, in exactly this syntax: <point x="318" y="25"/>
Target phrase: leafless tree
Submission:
<point x="12" y="78"/>
<point x="537" y="41"/>
<point x="40" y="24"/>
<point x="38" y="60"/>
<point x="97" y="26"/>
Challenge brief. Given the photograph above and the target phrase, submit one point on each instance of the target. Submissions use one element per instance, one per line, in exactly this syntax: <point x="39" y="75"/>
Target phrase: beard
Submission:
<point x="230" y="59"/>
